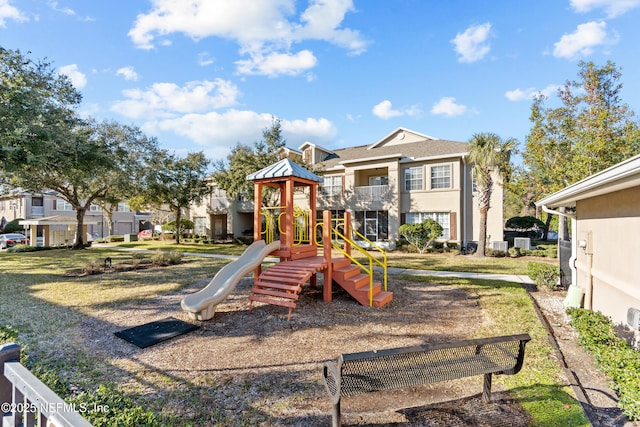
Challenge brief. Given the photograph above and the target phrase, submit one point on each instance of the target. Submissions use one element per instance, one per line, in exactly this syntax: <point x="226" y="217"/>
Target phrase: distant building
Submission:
<point x="48" y="211"/>
<point x="405" y="177"/>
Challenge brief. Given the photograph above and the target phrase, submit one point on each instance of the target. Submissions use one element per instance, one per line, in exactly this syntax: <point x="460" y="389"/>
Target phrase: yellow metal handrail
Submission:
<point x="363" y="251"/>
<point x="273" y="221"/>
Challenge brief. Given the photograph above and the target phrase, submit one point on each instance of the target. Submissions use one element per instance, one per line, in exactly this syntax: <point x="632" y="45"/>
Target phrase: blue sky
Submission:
<point x="203" y="75"/>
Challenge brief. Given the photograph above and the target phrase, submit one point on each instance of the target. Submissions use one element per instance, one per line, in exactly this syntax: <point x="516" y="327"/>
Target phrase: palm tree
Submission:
<point x="489" y="155"/>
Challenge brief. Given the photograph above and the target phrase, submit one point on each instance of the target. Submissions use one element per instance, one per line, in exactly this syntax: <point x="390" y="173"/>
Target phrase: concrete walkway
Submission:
<point x="391" y="270"/>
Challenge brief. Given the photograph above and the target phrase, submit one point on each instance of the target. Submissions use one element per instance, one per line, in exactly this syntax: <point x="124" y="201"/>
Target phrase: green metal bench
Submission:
<point x="360" y="373"/>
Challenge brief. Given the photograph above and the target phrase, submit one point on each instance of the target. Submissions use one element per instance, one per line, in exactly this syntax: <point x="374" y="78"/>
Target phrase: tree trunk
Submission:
<point x="547" y="224"/>
<point x="79" y="241"/>
<point x="482" y="233"/>
<point x="178" y="228"/>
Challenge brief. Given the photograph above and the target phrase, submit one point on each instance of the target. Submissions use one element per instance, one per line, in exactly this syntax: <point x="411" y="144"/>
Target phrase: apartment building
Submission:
<point x="53" y="219"/>
<point x="405" y="177"/>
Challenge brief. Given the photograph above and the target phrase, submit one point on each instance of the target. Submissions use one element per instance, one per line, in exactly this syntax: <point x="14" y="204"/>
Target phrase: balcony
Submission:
<point x="372" y="193"/>
<point x="37" y="211"/>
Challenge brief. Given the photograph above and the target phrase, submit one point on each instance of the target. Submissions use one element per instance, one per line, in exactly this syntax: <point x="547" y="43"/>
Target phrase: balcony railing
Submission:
<point x="37" y="211"/>
<point x="372" y="193"/>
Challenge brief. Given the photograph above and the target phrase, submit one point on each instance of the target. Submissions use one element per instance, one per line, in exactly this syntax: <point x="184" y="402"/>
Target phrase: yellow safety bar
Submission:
<point x="340" y="248"/>
<point x="273" y="218"/>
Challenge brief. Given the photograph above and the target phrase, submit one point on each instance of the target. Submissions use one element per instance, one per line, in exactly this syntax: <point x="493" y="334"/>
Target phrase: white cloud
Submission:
<point x="224" y="130"/>
<point x="613" y="8"/>
<point x="204" y="59"/>
<point x="447" y="107"/>
<point x="264" y="30"/>
<point x="472" y="45"/>
<point x="67" y="11"/>
<point x="129" y="73"/>
<point x="10" y="12"/>
<point x="528" y="94"/>
<point x="168" y="99"/>
<point x="384" y="110"/>
<point x="78" y="78"/>
<point x="275" y="64"/>
<point x="583" y="40"/>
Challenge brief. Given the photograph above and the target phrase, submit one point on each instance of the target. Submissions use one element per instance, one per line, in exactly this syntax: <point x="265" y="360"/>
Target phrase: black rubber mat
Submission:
<point x="152" y="333"/>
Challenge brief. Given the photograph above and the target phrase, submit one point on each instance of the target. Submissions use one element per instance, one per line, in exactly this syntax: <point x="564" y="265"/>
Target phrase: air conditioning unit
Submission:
<point x="633" y="318"/>
<point x="522" y="243"/>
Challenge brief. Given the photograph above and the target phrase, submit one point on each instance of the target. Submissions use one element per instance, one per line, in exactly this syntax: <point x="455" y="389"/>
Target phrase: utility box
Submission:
<point x="522" y="243"/>
<point x="500" y="246"/>
<point x="130" y="237"/>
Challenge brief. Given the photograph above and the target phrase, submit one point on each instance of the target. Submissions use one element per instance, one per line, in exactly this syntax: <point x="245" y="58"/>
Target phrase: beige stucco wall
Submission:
<point x="609" y="224"/>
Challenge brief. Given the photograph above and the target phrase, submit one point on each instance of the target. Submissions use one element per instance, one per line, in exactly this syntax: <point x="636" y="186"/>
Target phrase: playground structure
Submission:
<point x="294" y="235"/>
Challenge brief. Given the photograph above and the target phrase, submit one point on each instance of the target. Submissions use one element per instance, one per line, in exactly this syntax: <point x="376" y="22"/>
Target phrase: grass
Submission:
<point x="46" y="308"/>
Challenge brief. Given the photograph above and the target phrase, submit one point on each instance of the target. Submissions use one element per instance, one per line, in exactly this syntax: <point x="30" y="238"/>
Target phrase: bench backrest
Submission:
<point x="410" y="366"/>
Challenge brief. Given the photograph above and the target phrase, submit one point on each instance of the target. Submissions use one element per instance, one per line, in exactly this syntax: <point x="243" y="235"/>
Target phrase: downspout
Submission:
<point x="464" y="202"/>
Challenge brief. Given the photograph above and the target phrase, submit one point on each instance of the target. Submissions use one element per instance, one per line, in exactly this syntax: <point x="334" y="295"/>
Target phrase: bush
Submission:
<point x="92" y="267"/>
<point x="494" y="253"/>
<point x="115" y="238"/>
<point x="514" y="252"/>
<point x="597" y="334"/>
<point x="544" y="275"/>
<point x="164" y="258"/>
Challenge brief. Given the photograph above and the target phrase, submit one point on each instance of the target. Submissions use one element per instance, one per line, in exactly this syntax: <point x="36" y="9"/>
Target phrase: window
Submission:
<point x="95" y="208"/>
<point x="441" y="218"/>
<point x="374" y="225"/>
<point x="440" y="177"/>
<point x="378" y="180"/>
<point x="63" y="205"/>
<point x="200" y="225"/>
<point x="123" y="207"/>
<point x="332" y="186"/>
<point x="413" y="179"/>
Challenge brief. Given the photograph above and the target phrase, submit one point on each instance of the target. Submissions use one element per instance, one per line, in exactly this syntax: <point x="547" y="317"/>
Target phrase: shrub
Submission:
<point x="163" y="258"/>
<point x="597" y="334"/>
<point x="92" y="267"/>
<point x="115" y="238"/>
<point x="421" y="235"/>
<point x="494" y="253"/>
<point x="514" y="252"/>
<point x="543" y="274"/>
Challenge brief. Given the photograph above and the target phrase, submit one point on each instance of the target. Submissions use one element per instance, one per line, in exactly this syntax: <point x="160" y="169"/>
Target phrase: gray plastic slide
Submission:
<point x="201" y="305"/>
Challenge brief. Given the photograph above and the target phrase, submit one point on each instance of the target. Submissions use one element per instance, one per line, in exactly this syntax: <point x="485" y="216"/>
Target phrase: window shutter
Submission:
<point x="55" y="204"/>
<point x="453" y="226"/>
<point x="403" y="218"/>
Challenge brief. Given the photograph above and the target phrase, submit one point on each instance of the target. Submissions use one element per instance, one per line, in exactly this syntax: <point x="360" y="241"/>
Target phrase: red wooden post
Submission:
<point x="257" y="221"/>
<point x="328" y="273"/>
<point x="347" y="231"/>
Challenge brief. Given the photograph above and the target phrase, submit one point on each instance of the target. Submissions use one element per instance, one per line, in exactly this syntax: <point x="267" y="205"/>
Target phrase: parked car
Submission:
<point x="12" y="239"/>
<point x="145" y="234"/>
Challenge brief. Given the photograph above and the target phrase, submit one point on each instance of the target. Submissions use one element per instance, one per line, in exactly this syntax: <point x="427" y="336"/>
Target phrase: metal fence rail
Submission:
<point x="25" y="401"/>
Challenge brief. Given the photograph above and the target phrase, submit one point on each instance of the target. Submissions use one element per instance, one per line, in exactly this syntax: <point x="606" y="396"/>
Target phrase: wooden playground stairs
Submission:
<point x="282" y="283"/>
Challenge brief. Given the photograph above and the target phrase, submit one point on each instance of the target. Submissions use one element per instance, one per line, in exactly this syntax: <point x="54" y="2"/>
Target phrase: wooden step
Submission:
<point x="273" y="301"/>
<point x="344" y="273"/>
<point x="275" y="293"/>
<point x="281" y="286"/>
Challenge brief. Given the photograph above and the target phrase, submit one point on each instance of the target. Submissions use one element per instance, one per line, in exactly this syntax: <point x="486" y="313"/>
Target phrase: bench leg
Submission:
<point x="486" y="389"/>
<point x="335" y="415"/>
